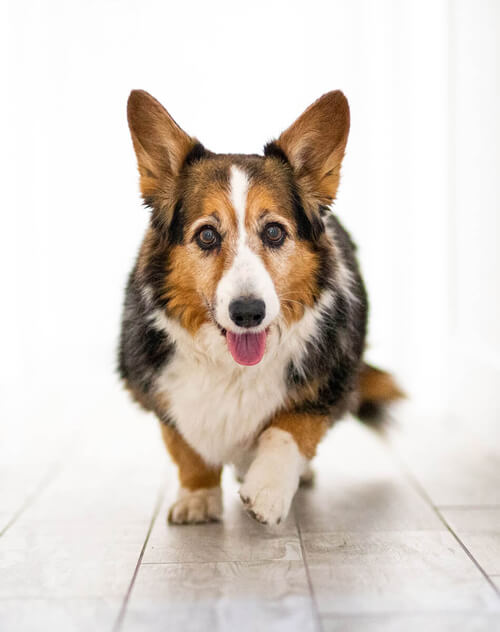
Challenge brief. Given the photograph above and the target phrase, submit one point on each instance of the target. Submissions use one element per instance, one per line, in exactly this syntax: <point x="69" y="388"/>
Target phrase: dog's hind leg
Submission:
<point x="282" y="458"/>
<point x="200" y="496"/>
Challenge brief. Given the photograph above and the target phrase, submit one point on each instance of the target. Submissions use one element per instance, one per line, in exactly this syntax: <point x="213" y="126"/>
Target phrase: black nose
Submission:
<point x="247" y="311"/>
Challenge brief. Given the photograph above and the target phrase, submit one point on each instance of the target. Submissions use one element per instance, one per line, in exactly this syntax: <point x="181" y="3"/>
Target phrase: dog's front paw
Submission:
<point x="267" y="498"/>
<point x="195" y="507"/>
<point x="273" y="477"/>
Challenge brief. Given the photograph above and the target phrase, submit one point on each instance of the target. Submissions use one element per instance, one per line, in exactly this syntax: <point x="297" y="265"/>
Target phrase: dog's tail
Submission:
<point x="377" y="390"/>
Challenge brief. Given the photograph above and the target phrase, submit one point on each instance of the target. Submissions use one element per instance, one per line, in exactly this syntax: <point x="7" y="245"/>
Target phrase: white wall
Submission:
<point x="474" y="223"/>
<point x="234" y="74"/>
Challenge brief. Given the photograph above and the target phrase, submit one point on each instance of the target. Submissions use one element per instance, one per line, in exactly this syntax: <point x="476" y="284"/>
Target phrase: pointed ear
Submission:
<point x="315" y="144"/>
<point x="161" y="146"/>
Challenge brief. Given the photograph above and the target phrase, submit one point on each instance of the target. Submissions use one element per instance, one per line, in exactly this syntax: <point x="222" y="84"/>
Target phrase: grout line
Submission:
<point x="473" y="507"/>
<point x="466" y="550"/>
<point x="423" y="494"/>
<point x="316" y="614"/>
<point x="379" y="614"/>
<point x="121" y="614"/>
<point x="49" y="476"/>
<point x="250" y="562"/>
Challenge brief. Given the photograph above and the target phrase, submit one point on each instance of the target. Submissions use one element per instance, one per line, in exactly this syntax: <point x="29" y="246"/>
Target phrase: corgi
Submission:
<point x="245" y="314"/>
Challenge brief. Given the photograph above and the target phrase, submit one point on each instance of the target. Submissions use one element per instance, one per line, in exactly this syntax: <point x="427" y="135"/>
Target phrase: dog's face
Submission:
<point x="241" y="236"/>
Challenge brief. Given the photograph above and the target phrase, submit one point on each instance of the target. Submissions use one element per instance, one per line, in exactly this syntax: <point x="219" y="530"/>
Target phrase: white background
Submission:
<point x="419" y="189"/>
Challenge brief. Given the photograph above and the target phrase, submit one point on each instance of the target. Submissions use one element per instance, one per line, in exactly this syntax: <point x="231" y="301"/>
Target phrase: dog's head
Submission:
<point x="238" y="241"/>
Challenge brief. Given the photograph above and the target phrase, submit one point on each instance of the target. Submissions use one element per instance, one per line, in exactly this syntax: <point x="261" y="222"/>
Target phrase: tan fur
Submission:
<point x="315" y="145"/>
<point x="378" y="386"/>
<point x="193" y="275"/>
<point x="159" y="143"/>
<point x="307" y="430"/>
<point x="145" y="251"/>
<point x="194" y="473"/>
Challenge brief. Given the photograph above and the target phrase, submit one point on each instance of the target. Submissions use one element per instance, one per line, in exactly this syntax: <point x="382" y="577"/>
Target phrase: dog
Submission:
<point x="245" y="314"/>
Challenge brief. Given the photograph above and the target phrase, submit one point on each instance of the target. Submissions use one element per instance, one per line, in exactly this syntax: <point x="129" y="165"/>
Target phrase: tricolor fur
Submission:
<point x="245" y="314"/>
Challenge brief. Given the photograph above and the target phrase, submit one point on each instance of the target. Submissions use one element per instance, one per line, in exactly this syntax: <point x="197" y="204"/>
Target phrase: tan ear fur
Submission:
<point x="315" y="145"/>
<point x="160" y="144"/>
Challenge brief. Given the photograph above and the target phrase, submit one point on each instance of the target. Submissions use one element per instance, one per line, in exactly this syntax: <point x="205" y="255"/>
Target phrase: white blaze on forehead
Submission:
<point x="238" y="194"/>
<point x="247" y="275"/>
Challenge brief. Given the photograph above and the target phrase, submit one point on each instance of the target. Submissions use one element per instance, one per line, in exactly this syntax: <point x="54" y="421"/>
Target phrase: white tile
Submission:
<point x="20" y="485"/>
<point x="479" y="530"/>
<point x="99" y="493"/>
<point x="416" y="622"/>
<point x="83" y="535"/>
<point x="456" y="463"/>
<point x="58" y="615"/>
<point x="225" y="596"/>
<point x="394" y="572"/>
<point x="78" y="559"/>
<point x="376" y="503"/>
<point x="360" y="487"/>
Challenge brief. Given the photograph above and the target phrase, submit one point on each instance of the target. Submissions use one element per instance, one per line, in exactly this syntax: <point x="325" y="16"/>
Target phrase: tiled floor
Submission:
<point x="396" y="535"/>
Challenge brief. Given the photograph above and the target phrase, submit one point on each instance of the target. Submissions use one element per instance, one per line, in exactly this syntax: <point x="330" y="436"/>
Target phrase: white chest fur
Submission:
<point x="217" y="405"/>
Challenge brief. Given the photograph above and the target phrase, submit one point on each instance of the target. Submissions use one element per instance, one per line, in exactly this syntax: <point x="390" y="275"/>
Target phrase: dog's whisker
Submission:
<point x="289" y="300"/>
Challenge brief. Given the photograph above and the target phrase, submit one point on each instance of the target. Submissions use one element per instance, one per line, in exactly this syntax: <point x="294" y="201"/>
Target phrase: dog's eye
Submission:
<point x="207" y="238"/>
<point x="274" y="234"/>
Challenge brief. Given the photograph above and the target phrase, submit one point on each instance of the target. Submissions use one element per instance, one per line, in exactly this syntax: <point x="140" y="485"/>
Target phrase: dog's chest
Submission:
<point x="220" y="407"/>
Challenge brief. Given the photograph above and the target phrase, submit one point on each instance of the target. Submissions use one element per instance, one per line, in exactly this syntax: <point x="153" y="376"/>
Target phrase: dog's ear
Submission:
<point x="315" y="144"/>
<point x="160" y="144"/>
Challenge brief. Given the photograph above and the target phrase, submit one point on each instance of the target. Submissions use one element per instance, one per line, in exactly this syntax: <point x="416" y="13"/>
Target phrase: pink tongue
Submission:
<point x="247" y="349"/>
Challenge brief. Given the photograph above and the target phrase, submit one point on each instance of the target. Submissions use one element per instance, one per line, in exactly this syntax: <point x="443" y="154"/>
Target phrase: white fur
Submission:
<point x="273" y="477"/>
<point x="247" y="275"/>
<point x="199" y="505"/>
<point x="218" y="405"/>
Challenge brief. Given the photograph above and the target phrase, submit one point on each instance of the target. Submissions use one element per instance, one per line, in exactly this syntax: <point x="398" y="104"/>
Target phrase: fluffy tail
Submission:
<point x="377" y="390"/>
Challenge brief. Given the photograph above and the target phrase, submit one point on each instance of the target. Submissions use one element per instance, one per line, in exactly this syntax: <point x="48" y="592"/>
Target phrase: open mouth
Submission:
<point x="248" y="348"/>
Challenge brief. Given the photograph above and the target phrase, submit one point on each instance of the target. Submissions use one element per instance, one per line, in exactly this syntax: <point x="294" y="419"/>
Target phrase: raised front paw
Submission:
<point x="198" y="506"/>
<point x="273" y="477"/>
<point x="267" y="498"/>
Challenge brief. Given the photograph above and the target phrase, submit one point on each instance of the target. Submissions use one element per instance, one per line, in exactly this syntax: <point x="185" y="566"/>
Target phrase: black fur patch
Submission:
<point x="172" y="233"/>
<point x="176" y="228"/>
<point x="304" y="228"/>
<point x="143" y="349"/>
<point x="309" y="230"/>
<point x="196" y="153"/>
<point x="273" y="150"/>
<point x="325" y="268"/>
<point x="333" y="357"/>
<point x="156" y="270"/>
